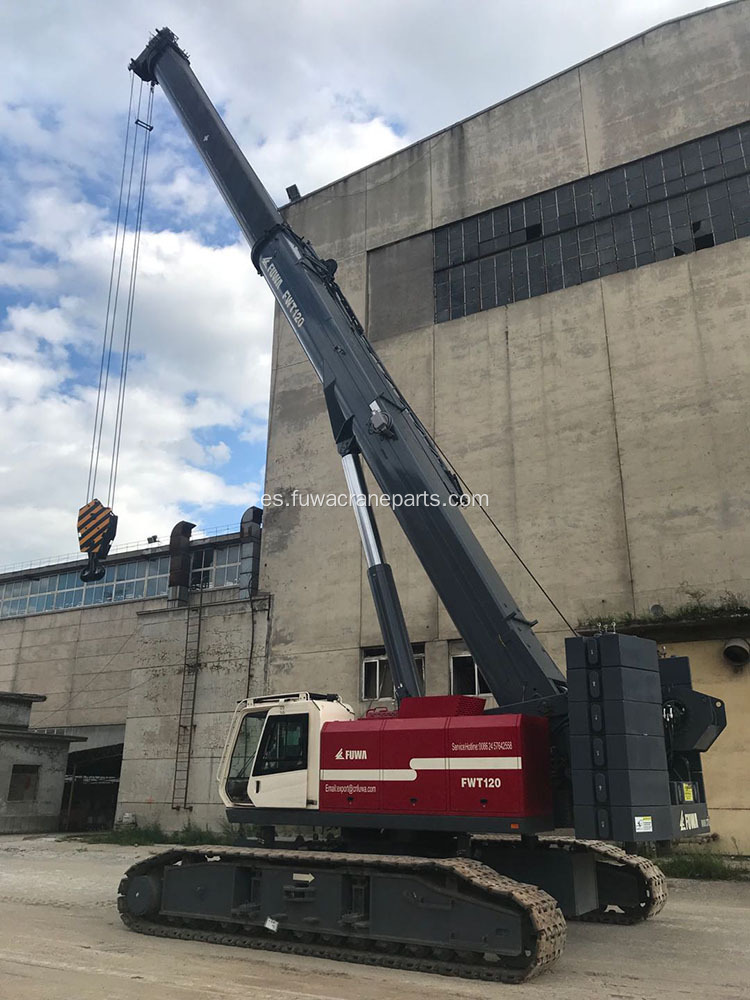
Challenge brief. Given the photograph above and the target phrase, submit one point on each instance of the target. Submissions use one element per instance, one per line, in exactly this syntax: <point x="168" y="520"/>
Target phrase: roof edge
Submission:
<point x="512" y="97"/>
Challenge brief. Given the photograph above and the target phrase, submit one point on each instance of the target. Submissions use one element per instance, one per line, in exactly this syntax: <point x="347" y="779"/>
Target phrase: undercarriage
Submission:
<point x="465" y="915"/>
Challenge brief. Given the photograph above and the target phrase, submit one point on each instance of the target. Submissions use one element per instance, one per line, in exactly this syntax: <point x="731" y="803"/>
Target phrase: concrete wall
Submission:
<point x="43" y="813"/>
<point x="606" y="422"/>
<point x="232" y="659"/>
<point x="81" y="659"/>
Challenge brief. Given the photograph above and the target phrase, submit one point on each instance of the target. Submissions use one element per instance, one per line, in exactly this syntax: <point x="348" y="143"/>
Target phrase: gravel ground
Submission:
<point x="61" y="939"/>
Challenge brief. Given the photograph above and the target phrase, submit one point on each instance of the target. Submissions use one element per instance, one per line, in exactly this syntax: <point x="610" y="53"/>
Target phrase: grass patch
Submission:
<point x="152" y="833"/>
<point x="702" y="865"/>
<point x="695" y="609"/>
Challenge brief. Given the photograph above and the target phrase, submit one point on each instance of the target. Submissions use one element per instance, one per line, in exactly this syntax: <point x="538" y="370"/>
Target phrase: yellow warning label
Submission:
<point x="687" y="791"/>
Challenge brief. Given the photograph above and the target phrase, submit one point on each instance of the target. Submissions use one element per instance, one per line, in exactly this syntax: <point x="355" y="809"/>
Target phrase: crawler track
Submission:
<point x="543" y="924"/>
<point x="632" y="889"/>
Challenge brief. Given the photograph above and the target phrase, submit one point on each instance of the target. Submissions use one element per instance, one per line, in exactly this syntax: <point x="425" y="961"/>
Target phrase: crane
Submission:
<point x="448" y="855"/>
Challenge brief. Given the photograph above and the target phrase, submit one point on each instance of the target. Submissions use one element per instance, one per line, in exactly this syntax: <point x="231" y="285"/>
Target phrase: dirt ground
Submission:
<point x="61" y="939"/>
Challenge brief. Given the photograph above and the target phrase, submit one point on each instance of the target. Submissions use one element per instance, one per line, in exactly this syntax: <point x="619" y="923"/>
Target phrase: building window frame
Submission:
<point x="24" y="783"/>
<point x="481" y="687"/>
<point x="375" y="673"/>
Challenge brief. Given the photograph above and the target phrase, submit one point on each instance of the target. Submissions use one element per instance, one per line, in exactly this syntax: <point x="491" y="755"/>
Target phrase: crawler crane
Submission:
<point x="447" y="858"/>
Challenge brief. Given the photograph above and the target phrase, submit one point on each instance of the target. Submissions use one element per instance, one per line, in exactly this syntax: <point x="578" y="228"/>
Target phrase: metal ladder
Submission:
<point x="187" y="705"/>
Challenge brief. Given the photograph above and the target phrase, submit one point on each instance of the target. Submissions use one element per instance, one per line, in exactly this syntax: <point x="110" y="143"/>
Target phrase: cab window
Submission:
<point x="243" y="756"/>
<point x="283" y="746"/>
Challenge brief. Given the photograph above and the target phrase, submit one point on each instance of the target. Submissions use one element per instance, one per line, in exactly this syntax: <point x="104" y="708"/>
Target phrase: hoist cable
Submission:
<point x="462" y="482"/>
<point x="117" y="437"/>
<point x="518" y="556"/>
<point x="116" y="295"/>
<point x="91" y="483"/>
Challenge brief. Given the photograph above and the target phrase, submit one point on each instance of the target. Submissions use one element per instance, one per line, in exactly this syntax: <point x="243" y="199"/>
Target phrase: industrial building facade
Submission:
<point x="559" y="286"/>
<point x="145" y="665"/>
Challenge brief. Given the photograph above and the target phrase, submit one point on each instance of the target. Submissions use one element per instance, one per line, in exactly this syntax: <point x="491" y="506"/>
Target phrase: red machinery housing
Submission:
<point x="438" y="755"/>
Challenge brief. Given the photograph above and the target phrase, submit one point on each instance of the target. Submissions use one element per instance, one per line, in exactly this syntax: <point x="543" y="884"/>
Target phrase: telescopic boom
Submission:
<point x="370" y="418"/>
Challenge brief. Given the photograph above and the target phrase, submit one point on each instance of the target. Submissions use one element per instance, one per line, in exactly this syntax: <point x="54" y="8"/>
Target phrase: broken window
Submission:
<point x="24" y="783"/>
<point x="684" y="199"/>
<point x="466" y="677"/>
<point x="377" y="682"/>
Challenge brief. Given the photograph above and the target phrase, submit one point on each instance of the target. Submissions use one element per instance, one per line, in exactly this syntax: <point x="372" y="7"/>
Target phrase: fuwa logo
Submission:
<point x="351" y="754"/>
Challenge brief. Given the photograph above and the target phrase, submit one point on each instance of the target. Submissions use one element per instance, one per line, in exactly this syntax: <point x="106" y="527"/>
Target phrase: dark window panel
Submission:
<point x="584" y="208"/>
<point x="517" y="217"/>
<point x="670" y="160"/>
<point x="471" y="287"/>
<point x="440" y="246"/>
<point x="633" y="171"/>
<point x="713" y="174"/>
<point x="657" y="193"/>
<point x="518" y="238"/>
<point x="537" y="284"/>
<point x="567" y="220"/>
<point x="616" y="177"/>
<point x="675" y="187"/>
<point x="738" y="185"/>
<point x="704" y="241"/>
<point x="549" y="202"/>
<point x="723" y="233"/>
<point x="637" y="193"/>
<point x="589" y="273"/>
<point x="694" y="182"/>
<point x="571" y="272"/>
<point x="569" y="242"/>
<point x="691" y="159"/>
<point x="582" y="187"/>
<point x="729" y="138"/>
<point x="471" y="239"/>
<point x="653" y="171"/>
<point x="663" y="253"/>
<point x="588" y="260"/>
<point x="455" y="243"/>
<point x="606" y="255"/>
<point x="731" y="153"/>
<point x="642" y="245"/>
<point x="442" y="303"/>
<point x="487" y="288"/>
<point x="743" y="228"/>
<point x="500" y="220"/>
<point x="734" y="169"/>
<point x="698" y="203"/>
<point x="552" y="250"/>
<point x="457" y="292"/>
<point x="609" y="268"/>
<point x="554" y="277"/>
<point x="532" y="210"/>
<point x="550" y="226"/>
<point x="663" y="239"/>
<point x="566" y="200"/>
<point x="486" y="231"/>
<point x="534" y="231"/>
<point x="644" y="257"/>
<point x="625" y="263"/>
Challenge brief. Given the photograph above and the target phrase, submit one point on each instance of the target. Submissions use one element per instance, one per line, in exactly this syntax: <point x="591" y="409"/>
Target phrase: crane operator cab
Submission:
<point x="272" y="754"/>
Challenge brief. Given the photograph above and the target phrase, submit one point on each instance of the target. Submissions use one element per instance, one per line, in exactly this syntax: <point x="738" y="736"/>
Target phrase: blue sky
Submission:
<point x="311" y="91"/>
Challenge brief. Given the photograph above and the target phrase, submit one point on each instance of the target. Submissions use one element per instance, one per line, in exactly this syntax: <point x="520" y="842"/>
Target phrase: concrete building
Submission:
<point x="32" y="768"/>
<point x="559" y="286"/>
<point x="146" y="664"/>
